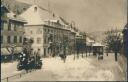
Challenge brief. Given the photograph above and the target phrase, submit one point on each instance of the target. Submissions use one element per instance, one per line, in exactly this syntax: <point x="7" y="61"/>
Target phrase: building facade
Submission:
<point x="34" y="28"/>
<point x="55" y="36"/>
<point x="11" y="33"/>
<point x="48" y="33"/>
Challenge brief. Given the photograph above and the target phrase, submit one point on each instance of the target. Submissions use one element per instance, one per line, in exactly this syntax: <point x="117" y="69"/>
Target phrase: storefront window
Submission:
<point x="15" y="39"/>
<point x="9" y="39"/>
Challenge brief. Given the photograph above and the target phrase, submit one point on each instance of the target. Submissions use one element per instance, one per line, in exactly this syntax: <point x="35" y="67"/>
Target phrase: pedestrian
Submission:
<point x="77" y="53"/>
<point x="31" y="52"/>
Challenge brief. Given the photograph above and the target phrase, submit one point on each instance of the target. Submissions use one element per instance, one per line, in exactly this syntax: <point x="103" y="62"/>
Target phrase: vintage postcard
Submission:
<point x="64" y="40"/>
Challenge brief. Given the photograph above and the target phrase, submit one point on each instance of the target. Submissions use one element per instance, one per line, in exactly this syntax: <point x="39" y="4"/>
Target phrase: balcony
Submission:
<point x="53" y="24"/>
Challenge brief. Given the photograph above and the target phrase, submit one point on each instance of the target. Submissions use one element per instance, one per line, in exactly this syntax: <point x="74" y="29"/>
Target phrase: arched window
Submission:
<point x="35" y="9"/>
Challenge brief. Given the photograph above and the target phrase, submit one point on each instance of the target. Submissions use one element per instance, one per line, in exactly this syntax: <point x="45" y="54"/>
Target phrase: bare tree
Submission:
<point x="113" y="41"/>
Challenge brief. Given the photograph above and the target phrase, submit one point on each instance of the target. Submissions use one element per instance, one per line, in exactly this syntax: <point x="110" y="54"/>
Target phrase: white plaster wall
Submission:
<point x="35" y="35"/>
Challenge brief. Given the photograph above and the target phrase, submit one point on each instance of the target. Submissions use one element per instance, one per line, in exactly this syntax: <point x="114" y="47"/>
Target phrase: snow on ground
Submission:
<point x="89" y="69"/>
<point x="9" y="69"/>
<point x="72" y="69"/>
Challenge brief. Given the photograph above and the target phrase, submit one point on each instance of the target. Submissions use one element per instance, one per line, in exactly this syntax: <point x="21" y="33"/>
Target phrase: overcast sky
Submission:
<point x="89" y="15"/>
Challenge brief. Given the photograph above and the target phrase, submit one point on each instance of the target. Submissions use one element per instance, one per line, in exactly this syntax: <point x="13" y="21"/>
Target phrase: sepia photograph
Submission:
<point x="64" y="40"/>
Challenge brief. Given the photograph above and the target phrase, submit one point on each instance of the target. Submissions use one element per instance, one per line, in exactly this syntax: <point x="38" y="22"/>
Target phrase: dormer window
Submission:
<point x="24" y="9"/>
<point x="14" y="15"/>
<point x="35" y="9"/>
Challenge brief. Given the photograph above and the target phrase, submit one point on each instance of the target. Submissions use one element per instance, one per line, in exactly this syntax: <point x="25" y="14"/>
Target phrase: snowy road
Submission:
<point x="89" y="69"/>
<point x="9" y="69"/>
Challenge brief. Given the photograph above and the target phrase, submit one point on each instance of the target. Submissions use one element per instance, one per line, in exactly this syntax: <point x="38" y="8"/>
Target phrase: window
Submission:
<point x="15" y="26"/>
<point x="32" y="39"/>
<point x="35" y="9"/>
<point x="51" y="31"/>
<point x="38" y="40"/>
<point x="45" y="30"/>
<point x="1" y="39"/>
<point x="24" y="40"/>
<point x="9" y="27"/>
<point x="20" y="40"/>
<point x="39" y="31"/>
<point x="15" y="39"/>
<point x="45" y="40"/>
<point x="48" y="30"/>
<point x="9" y="39"/>
<point x="3" y="25"/>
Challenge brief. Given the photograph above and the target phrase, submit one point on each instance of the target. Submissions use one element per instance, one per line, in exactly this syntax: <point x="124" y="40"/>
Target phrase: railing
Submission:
<point x="54" y="24"/>
<point x="10" y="78"/>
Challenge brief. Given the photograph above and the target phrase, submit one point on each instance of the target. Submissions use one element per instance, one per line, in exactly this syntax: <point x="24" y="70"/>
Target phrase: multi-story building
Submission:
<point x="34" y="27"/>
<point x="47" y="31"/>
<point x="11" y="33"/>
<point x="55" y="35"/>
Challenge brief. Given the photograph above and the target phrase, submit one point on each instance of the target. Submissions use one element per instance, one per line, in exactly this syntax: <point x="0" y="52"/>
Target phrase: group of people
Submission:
<point x="29" y="60"/>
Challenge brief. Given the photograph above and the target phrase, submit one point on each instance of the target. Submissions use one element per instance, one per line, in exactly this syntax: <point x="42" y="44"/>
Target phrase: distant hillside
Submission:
<point x="15" y="6"/>
<point x="100" y="35"/>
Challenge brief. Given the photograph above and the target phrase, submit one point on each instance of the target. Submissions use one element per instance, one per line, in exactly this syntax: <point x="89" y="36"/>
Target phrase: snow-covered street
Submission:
<point x="89" y="69"/>
<point x="9" y="69"/>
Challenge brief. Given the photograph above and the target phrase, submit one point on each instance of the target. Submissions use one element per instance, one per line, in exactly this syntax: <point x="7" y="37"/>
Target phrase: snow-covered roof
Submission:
<point x="77" y="34"/>
<point x="89" y="40"/>
<point x="33" y="15"/>
<point x="54" y="21"/>
<point x="72" y="30"/>
<point x="13" y="16"/>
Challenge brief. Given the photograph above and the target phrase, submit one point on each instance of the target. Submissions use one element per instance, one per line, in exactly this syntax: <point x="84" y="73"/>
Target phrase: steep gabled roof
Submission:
<point x="32" y="15"/>
<point x="36" y="15"/>
<point x="13" y="16"/>
<point x="63" y="20"/>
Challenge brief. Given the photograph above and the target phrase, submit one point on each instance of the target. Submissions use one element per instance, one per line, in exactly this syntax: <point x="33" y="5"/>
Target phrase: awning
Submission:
<point x="7" y="51"/>
<point x="97" y="44"/>
<point x="4" y="51"/>
<point x="18" y="50"/>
